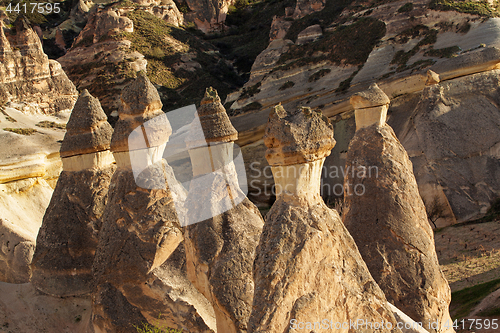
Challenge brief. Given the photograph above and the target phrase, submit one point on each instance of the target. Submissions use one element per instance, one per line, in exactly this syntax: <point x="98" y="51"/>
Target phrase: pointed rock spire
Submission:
<point x="224" y="226"/>
<point x="307" y="268"/>
<point x="400" y="255"/>
<point x="87" y="129"/>
<point x="67" y="239"/>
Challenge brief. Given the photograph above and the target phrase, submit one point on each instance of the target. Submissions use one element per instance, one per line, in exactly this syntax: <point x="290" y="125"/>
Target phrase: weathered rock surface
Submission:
<point x="308" y="267"/>
<point x="208" y="15"/>
<point x="95" y="54"/>
<point x="141" y="228"/>
<point x="67" y="239"/>
<point x="28" y="77"/>
<point x="381" y="194"/>
<point x="309" y="34"/>
<point x="305" y="7"/>
<point x="279" y="28"/>
<point x="220" y="246"/>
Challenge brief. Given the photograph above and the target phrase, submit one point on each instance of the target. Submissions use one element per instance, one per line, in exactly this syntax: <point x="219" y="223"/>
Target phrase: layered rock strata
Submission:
<point x="67" y="239"/>
<point x="382" y="194"/>
<point x="141" y="226"/>
<point x="28" y="77"/>
<point x="224" y="226"/>
<point x="307" y="267"/>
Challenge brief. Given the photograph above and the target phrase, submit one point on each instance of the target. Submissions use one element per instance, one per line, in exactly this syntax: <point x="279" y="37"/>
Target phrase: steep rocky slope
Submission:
<point x="348" y="46"/>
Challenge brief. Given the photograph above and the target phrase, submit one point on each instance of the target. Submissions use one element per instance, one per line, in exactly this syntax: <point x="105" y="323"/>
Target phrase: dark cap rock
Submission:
<point x="141" y="106"/>
<point x="87" y="130"/>
<point x="214" y="121"/>
<point x="298" y="137"/>
<point x="373" y="96"/>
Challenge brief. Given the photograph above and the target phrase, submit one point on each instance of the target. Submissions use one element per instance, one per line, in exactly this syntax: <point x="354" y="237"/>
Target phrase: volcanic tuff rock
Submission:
<point x="208" y="15"/>
<point x="220" y="246"/>
<point x="308" y="267"/>
<point x="28" y="77"/>
<point x="67" y="240"/>
<point x="95" y="56"/>
<point x="141" y="226"/>
<point x="381" y="194"/>
<point x="305" y="7"/>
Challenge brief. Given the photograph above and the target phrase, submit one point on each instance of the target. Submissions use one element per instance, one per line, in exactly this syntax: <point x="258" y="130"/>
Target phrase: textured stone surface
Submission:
<point x="297" y="137"/>
<point x="400" y="255"/>
<point x="140" y="231"/>
<point x="87" y="129"/>
<point x="279" y="28"/>
<point x="23" y="204"/>
<point x="214" y="122"/>
<point x="220" y="247"/>
<point x="309" y="34"/>
<point x="305" y="7"/>
<point x="373" y="96"/>
<point x="208" y="15"/>
<point x="67" y="239"/>
<point x="28" y="76"/>
<point x="308" y="267"/>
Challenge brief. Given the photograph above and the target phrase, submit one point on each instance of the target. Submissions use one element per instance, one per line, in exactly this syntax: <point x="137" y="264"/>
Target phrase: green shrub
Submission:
<point x="446" y="52"/>
<point x="50" y="124"/>
<point x="21" y="131"/>
<point x="319" y="74"/>
<point x="286" y="85"/>
<point x="481" y="8"/>
<point x="407" y="7"/>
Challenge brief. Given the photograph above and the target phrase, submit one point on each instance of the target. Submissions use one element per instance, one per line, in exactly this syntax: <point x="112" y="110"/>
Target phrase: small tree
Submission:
<point x="435" y="210"/>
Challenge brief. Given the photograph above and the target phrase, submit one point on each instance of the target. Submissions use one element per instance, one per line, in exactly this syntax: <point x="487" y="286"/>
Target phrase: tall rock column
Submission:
<point x="67" y="240"/>
<point x="308" y="272"/>
<point x="224" y="226"/>
<point x="140" y="224"/>
<point x="387" y="219"/>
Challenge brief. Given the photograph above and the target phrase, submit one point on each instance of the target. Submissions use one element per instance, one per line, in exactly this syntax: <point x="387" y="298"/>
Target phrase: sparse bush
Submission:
<point x="286" y="85"/>
<point x="319" y="74"/>
<point x="435" y="210"/>
<point x="407" y="7"/>
<point x="50" y="124"/>
<point x="21" y="131"/>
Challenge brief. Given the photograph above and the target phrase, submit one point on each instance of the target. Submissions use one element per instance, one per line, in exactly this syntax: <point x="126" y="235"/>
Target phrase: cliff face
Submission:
<point x="35" y="99"/>
<point x="28" y="77"/>
<point x="314" y="64"/>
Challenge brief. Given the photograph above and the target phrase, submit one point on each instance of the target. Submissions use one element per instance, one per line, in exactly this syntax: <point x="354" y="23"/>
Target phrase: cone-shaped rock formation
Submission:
<point x="308" y="272"/>
<point x="140" y="224"/>
<point x="224" y="226"/>
<point x="67" y="240"/>
<point x="387" y="219"/>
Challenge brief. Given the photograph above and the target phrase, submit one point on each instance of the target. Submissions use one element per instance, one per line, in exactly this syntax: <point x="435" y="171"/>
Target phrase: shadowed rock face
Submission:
<point x="67" y="240"/>
<point x="28" y="76"/>
<point x="308" y="267"/>
<point x="220" y="249"/>
<point x="389" y="224"/>
<point x="141" y="230"/>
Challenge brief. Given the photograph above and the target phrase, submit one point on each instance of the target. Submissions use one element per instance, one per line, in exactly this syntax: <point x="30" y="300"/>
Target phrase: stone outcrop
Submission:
<point x="279" y="28"/>
<point x="223" y="225"/>
<point x="28" y="77"/>
<point x="96" y="54"/>
<point x="208" y="15"/>
<point x="309" y="34"/>
<point x="67" y="239"/>
<point x="140" y="226"/>
<point x="308" y="267"/>
<point x="306" y="7"/>
<point x="381" y="194"/>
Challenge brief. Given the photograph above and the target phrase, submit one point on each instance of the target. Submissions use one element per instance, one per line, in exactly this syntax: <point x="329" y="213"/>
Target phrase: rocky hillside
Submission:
<point x="319" y="60"/>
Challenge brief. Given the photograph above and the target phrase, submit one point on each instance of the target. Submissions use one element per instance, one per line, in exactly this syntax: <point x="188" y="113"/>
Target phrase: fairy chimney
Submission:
<point x="223" y="225"/>
<point x="400" y="255"/>
<point x="140" y="225"/>
<point x="67" y="240"/>
<point x="307" y="268"/>
<point x="370" y="106"/>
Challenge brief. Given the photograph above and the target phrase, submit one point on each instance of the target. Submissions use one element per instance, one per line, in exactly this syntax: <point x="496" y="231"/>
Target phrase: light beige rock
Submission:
<point x="224" y="226"/>
<point x="400" y="255"/>
<point x="279" y="28"/>
<point x="309" y="34"/>
<point x="307" y="267"/>
<point x="370" y="107"/>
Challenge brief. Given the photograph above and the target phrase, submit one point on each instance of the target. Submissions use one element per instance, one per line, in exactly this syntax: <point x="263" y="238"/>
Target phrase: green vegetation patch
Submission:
<point x="319" y="74"/>
<point x="21" y="131"/>
<point x="481" y="8"/>
<point x="148" y="328"/>
<point x="447" y="52"/>
<point x="349" y="44"/>
<point x="50" y="124"/>
<point x="407" y="7"/>
<point x="401" y="57"/>
<point x="463" y="301"/>
<point x="286" y="85"/>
